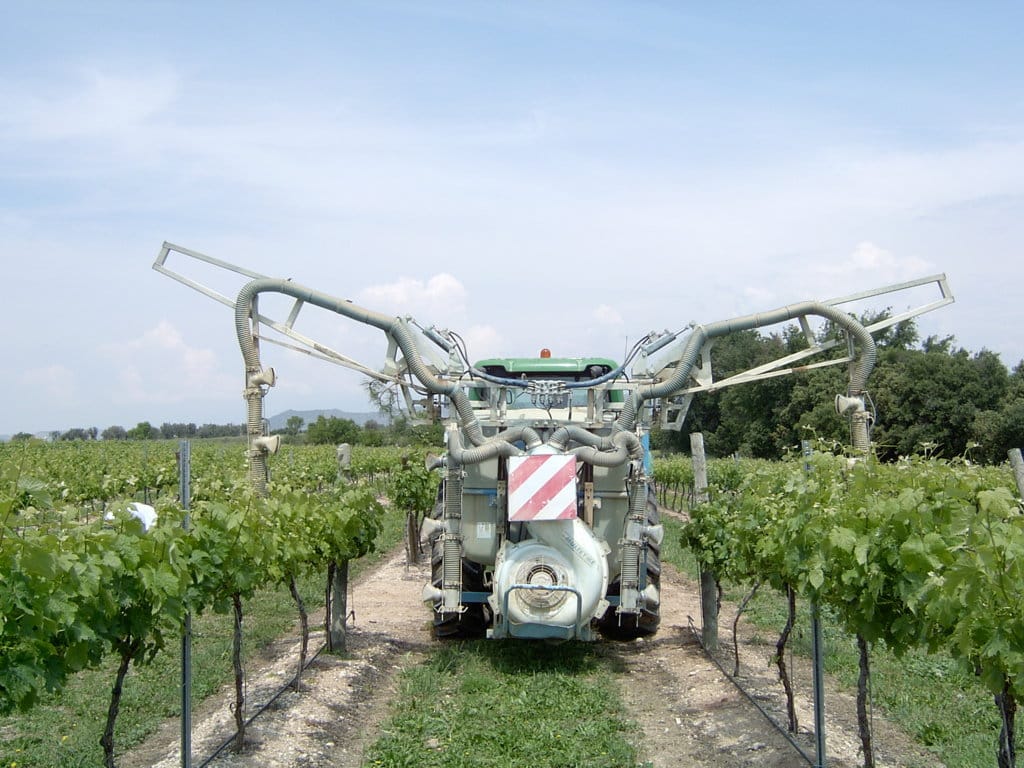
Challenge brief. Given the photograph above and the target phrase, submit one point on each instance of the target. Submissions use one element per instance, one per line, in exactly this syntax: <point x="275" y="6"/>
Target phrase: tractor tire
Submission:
<point x="473" y="622"/>
<point x="645" y="623"/>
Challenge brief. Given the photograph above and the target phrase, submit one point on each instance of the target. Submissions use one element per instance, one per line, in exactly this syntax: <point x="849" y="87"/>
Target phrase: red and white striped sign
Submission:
<point x="541" y="487"/>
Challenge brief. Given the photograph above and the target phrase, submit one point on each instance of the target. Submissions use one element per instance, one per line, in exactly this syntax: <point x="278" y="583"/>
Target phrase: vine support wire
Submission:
<point x="259" y="711"/>
<point x="184" y="479"/>
<point x="747" y="695"/>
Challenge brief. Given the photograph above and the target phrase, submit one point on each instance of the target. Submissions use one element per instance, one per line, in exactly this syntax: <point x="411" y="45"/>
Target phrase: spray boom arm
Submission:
<point x="684" y="368"/>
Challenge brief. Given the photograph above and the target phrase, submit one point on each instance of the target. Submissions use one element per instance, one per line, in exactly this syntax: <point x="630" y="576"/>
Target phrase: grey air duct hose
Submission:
<point x="560" y="438"/>
<point x="395" y="327"/>
<point x="600" y="451"/>
<point x="501" y="444"/>
<point x="703" y="333"/>
<point x="627" y="446"/>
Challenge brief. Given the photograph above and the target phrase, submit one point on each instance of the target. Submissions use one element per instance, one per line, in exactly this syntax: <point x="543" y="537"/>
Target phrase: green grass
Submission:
<point x="64" y="729"/>
<point x="931" y="697"/>
<point x="513" y="704"/>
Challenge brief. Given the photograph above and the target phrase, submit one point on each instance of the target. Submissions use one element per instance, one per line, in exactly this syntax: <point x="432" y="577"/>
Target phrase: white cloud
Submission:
<point x="440" y="297"/>
<point x="924" y="180"/>
<point x="606" y="315"/>
<point x="867" y="266"/>
<point x="53" y="382"/>
<point x="758" y="295"/>
<point x="99" y="104"/>
<point x="870" y="256"/>
<point x="483" y="341"/>
<point x="161" y="367"/>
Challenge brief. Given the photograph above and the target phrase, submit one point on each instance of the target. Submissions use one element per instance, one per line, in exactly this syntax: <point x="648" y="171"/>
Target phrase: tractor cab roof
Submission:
<point x="573" y="368"/>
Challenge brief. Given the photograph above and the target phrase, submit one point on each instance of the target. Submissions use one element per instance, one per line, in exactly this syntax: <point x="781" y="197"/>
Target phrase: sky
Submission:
<point x="567" y="175"/>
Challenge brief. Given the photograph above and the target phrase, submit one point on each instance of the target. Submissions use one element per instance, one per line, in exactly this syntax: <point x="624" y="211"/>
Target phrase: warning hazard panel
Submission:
<point x="541" y="488"/>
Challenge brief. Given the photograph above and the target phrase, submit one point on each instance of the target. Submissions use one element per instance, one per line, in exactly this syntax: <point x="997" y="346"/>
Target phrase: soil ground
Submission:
<point x="687" y="711"/>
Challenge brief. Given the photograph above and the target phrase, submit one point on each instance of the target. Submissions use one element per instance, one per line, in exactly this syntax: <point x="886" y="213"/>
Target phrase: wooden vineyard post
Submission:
<point x="336" y="635"/>
<point x="708" y="581"/>
<point x="1018" y="468"/>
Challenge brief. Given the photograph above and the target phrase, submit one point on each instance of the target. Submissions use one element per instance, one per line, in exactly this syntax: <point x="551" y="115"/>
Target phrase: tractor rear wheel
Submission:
<point x="471" y="623"/>
<point x="646" y="622"/>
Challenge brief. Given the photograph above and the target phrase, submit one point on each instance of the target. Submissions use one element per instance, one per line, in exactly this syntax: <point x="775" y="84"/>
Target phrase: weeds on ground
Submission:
<point x="514" y="704"/>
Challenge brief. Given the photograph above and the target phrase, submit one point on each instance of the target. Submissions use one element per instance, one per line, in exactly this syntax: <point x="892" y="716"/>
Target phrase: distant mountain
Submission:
<point x="280" y="420"/>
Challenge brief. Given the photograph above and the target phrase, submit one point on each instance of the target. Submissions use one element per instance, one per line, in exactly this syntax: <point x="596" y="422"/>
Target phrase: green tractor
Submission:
<point x="545" y="524"/>
<point x="547" y="528"/>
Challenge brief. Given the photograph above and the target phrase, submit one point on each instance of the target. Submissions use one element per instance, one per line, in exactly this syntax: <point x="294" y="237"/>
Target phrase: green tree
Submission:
<point x="332" y="431"/>
<point x="75" y="434"/>
<point x="810" y="412"/>
<point x="934" y="396"/>
<point x="220" y="430"/>
<point x="114" y="433"/>
<point x="294" y="425"/>
<point x="749" y="414"/>
<point x="143" y="431"/>
<point x="373" y="434"/>
<point x="732" y="353"/>
<point x="998" y="429"/>
<point x="428" y="434"/>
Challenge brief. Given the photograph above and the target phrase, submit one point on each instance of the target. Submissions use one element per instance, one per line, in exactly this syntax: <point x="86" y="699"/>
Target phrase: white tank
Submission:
<point x="563" y="553"/>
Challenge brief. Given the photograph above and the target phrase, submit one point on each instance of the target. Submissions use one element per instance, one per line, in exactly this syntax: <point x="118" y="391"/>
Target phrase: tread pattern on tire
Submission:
<point x="473" y="622"/>
<point x="645" y="623"/>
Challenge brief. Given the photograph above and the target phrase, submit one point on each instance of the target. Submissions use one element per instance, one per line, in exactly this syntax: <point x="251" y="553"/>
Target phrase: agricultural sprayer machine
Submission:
<point x="546" y="525"/>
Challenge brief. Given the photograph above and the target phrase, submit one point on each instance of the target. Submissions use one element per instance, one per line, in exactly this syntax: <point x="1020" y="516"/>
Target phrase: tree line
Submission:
<point x="928" y="396"/>
<point x="142" y="431"/>
<point x="400" y="431"/>
<point x="324" y="431"/>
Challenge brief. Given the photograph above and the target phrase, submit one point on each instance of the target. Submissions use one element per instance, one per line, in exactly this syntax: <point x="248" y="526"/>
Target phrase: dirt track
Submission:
<point x="686" y="710"/>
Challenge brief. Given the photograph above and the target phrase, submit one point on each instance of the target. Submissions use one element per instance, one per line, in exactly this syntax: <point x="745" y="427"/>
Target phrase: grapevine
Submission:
<point x="922" y="553"/>
<point x="83" y="578"/>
